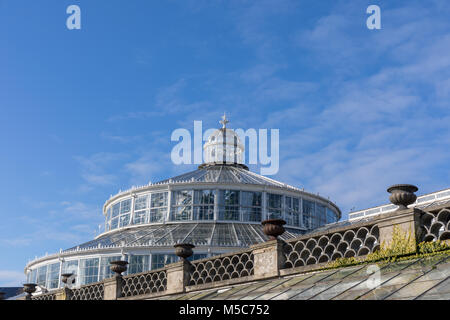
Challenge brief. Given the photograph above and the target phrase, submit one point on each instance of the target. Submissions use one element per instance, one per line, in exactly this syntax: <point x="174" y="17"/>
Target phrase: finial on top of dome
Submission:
<point x="224" y="121"/>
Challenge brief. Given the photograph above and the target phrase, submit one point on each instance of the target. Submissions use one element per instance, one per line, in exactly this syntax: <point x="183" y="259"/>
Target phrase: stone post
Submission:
<point x="64" y="294"/>
<point x="113" y="288"/>
<point x="407" y="221"/>
<point x="268" y="258"/>
<point x="178" y="276"/>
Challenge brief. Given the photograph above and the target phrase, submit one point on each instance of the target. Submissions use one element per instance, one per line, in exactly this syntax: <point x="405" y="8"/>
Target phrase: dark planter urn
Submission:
<point x="118" y="267"/>
<point x="29" y="288"/>
<point x="65" y="278"/>
<point x="273" y="228"/>
<point x="402" y="195"/>
<point x="184" y="250"/>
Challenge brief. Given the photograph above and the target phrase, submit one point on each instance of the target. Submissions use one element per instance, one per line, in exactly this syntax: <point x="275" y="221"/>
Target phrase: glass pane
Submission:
<point x="140" y="217"/>
<point x="160" y="260"/>
<point x="182" y="198"/>
<point x="157" y="215"/>
<point x="53" y="276"/>
<point x="182" y="213"/>
<point x="139" y="263"/>
<point x="251" y="199"/>
<point x="88" y="270"/>
<point x="140" y="203"/>
<point x="158" y="200"/>
<point x="204" y="212"/>
<point x="115" y="210"/>
<point x="41" y="276"/>
<point x="114" y="223"/>
<point x="125" y="206"/>
<point x="204" y="196"/>
<point x="274" y="200"/>
<point x="124" y="220"/>
<point x="105" y="266"/>
<point x="251" y="214"/>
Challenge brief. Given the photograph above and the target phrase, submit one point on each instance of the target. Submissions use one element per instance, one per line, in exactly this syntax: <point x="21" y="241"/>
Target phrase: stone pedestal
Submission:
<point x="113" y="288"/>
<point x="407" y="221"/>
<point x="268" y="259"/>
<point x="178" y="276"/>
<point x="63" y="294"/>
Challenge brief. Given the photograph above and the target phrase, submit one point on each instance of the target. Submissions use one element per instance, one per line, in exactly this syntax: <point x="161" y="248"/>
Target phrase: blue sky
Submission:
<point x="87" y="112"/>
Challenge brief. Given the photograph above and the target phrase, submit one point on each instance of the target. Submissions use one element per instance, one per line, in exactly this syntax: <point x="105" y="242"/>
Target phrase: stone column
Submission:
<point x="113" y="288"/>
<point x="178" y="276"/>
<point x="268" y="259"/>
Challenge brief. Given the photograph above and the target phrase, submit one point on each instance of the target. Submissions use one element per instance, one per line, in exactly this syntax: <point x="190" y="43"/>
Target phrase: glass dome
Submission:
<point x="219" y="207"/>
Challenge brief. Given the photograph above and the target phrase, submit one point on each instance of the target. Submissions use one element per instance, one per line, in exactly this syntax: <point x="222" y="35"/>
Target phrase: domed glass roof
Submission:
<point x="200" y="234"/>
<point x="219" y="173"/>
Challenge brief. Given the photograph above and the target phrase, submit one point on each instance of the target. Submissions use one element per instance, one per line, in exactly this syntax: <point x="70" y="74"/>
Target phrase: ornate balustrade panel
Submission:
<point x="144" y="283"/>
<point x="223" y="267"/>
<point x="45" y="296"/>
<point x="93" y="291"/>
<point x="325" y="248"/>
<point x="436" y="225"/>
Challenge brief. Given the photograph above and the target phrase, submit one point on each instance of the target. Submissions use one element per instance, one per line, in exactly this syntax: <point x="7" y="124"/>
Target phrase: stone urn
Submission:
<point x="65" y="278"/>
<point x="184" y="250"/>
<point x="29" y="288"/>
<point x="273" y="228"/>
<point x="118" y="266"/>
<point x="402" y="195"/>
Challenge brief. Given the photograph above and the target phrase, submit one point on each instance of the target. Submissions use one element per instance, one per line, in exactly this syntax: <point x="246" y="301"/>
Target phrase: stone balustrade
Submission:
<point x="270" y="259"/>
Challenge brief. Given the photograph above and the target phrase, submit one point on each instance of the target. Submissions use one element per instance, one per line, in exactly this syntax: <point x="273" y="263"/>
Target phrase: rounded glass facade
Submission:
<point x="219" y="205"/>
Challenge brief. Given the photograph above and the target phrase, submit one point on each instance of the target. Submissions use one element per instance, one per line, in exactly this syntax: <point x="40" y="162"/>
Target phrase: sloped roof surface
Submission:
<point x="421" y="279"/>
<point x="213" y="234"/>
<point x="224" y="174"/>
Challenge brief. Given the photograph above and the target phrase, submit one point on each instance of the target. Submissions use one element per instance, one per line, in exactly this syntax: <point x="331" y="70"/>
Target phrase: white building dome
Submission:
<point x="223" y="146"/>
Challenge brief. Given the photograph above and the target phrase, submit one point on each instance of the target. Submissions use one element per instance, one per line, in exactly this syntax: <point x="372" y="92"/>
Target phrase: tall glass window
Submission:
<point x="204" y="204"/>
<point x="182" y="205"/>
<point x="229" y="205"/>
<point x="160" y="260"/>
<point x="308" y="213"/>
<point x="292" y="211"/>
<point x="89" y="270"/>
<point x="31" y="278"/>
<point x="139" y="263"/>
<point x="320" y="216"/>
<point x="105" y="266"/>
<point x="140" y="210"/>
<point x="331" y="216"/>
<point x="251" y="206"/>
<point x="53" y="276"/>
<point x="158" y="206"/>
<point x="41" y="276"/>
<point x="274" y="202"/>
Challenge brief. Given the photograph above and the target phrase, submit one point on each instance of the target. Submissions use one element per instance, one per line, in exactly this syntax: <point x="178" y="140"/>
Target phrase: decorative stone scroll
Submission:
<point x="326" y="248"/>
<point x="144" y="283"/>
<point x="222" y="268"/>
<point x="93" y="291"/>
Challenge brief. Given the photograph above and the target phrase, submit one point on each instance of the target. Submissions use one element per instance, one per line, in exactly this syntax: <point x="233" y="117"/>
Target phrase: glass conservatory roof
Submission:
<point x="224" y="174"/>
<point x="199" y="234"/>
